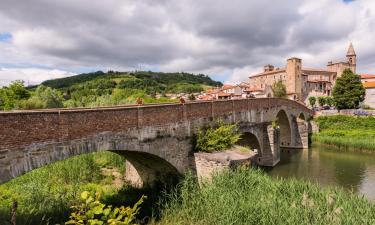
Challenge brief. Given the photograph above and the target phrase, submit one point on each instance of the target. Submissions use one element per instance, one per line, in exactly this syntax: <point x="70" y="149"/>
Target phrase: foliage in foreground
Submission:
<point x="44" y="195"/>
<point x="346" y="131"/>
<point x="348" y="91"/>
<point x="218" y="137"/>
<point x="92" y="212"/>
<point x="251" y="197"/>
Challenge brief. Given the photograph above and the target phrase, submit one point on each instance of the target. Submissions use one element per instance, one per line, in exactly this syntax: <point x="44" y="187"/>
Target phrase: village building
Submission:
<point x="370" y="93"/>
<point x="302" y="82"/>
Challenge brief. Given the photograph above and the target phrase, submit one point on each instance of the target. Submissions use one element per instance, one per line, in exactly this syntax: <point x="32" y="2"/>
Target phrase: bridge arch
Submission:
<point x="285" y="128"/>
<point x="250" y="140"/>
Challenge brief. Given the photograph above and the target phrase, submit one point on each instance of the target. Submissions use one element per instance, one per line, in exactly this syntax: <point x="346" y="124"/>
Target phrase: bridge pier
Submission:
<point x="270" y="154"/>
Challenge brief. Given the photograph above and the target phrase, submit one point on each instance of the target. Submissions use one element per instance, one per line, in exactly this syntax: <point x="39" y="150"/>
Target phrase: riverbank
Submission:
<point x="252" y="197"/>
<point x="347" y="132"/>
<point x="235" y="197"/>
<point x="45" y="195"/>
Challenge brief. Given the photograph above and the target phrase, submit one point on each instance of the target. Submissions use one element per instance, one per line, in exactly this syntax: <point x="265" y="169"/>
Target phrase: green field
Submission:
<point x="347" y="132"/>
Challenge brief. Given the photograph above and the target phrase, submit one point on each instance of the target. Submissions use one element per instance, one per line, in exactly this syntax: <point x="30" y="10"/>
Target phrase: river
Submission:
<point x="353" y="171"/>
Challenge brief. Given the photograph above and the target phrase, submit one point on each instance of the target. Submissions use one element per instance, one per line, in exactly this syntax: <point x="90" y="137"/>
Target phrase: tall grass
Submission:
<point x="251" y="197"/>
<point x="45" y="194"/>
<point x="347" y="132"/>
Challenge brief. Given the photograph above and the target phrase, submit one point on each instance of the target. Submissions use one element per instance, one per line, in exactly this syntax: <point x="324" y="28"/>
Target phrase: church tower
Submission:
<point x="352" y="58"/>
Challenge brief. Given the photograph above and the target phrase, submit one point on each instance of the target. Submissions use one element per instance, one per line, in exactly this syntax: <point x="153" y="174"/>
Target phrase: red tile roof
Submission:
<point x="227" y="86"/>
<point x="370" y="84"/>
<point x="367" y="76"/>
<point x="223" y="94"/>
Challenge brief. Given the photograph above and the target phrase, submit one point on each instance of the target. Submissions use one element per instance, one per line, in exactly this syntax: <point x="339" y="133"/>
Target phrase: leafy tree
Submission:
<point x="312" y="101"/>
<point x="44" y="97"/>
<point x="279" y="89"/>
<point x="18" y="90"/>
<point x="51" y="97"/>
<point x="321" y="101"/>
<point x="217" y="138"/>
<point x="348" y="91"/>
<point x="11" y="95"/>
<point x="329" y="101"/>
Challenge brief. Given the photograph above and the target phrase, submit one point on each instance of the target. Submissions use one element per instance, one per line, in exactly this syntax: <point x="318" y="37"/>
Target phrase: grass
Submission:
<point x="347" y="132"/>
<point x="44" y="195"/>
<point x="252" y="197"/>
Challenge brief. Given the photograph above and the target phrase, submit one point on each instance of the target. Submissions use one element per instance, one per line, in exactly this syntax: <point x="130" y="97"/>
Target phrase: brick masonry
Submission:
<point x="147" y="136"/>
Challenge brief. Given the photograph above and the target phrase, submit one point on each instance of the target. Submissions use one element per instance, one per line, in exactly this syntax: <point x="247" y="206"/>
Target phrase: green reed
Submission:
<point x="251" y="197"/>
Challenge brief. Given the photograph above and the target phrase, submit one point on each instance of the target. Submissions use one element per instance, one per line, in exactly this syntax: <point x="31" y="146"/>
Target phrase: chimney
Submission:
<point x="268" y="68"/>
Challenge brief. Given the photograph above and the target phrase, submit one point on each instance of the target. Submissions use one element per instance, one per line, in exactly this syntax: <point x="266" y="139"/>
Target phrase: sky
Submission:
<point x="227" y="40"/>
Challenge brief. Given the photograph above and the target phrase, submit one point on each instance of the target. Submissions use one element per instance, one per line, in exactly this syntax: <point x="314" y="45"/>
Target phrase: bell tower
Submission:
<point x="352" y="58"/>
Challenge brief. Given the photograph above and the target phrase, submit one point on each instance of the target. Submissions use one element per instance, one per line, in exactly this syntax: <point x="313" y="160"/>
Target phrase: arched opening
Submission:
<point x="285" y="131"/>
<point x="301" y="117"/>
<point x="251" y="141"/>
<point x="144" y="169"/>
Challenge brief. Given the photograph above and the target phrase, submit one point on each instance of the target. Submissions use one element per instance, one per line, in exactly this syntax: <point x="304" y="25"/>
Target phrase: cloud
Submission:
<point x="227" y="39"/>
<point x="31" y="76"/>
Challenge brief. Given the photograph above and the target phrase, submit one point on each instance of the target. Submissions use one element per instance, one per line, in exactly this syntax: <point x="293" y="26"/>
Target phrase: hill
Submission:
<point x="104" y="89"/>
<point x="139" y="80"/>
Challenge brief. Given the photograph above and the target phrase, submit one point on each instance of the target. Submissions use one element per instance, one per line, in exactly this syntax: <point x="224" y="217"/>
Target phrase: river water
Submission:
<point x="353" y="171"/>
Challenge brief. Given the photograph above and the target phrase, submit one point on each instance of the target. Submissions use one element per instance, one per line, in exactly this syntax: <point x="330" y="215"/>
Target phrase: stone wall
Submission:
<point x="207" y="164"/>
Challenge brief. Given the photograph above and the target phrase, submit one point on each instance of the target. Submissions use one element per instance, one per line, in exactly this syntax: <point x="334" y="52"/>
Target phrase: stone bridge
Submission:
<point x="156" y="140"/>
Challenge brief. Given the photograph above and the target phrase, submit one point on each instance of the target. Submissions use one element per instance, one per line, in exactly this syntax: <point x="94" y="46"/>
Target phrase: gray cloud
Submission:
<point x="212" y="36"/>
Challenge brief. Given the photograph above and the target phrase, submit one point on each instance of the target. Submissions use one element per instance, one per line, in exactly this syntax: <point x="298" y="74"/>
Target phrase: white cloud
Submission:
<point x="30" y="76"/>
<point x="229" y="39"/>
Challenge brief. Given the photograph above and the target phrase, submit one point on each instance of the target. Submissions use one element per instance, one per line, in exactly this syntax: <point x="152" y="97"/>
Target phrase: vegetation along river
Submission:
<point x="352" y="171"/>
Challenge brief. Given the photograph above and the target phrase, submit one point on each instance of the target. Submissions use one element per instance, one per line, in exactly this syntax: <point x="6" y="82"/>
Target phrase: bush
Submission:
<point x="329" y="101"/>
<point x="92" y="212"/>
<point x="321" y="101"/>
<point x="217" y="138"/>
<point x="312" y="101"/>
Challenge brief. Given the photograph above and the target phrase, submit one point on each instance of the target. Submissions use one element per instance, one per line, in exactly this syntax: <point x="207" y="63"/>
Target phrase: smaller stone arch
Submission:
<point x="301" y="117"/>
<point x="148" y="169"/>
<point x="285" y="128"/>
<point x="250" y="140"/>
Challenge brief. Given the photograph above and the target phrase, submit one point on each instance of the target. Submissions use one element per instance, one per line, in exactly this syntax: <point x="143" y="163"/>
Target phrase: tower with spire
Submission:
<point x="352" y="58"/>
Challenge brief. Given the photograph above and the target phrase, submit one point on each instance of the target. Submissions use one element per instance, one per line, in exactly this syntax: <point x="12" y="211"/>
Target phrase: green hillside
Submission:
<point x="103" y="89"/>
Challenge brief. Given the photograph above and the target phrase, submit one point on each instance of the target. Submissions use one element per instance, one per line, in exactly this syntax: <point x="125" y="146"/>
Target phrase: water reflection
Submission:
<point x="352" y="171"/>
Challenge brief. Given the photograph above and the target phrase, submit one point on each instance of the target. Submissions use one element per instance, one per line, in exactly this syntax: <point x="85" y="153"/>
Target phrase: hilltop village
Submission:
<point x="300" y="82"/>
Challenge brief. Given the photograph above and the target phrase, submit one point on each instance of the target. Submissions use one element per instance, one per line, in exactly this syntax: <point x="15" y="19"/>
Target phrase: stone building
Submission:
<point x="370" y="93"/>
<point x="302" y="82"/>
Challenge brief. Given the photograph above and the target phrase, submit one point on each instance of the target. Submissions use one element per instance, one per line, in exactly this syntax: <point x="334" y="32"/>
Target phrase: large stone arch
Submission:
<point x="284" y="123"/>
<point x="154" y="155"/>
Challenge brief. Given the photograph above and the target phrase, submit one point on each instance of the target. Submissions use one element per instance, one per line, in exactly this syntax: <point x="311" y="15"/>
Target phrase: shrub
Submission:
<point x="329" y="101"/>
<point x="217" y="138"/>
<point x="312" y="101"/>
<point x="321" y="101"/>
<point x="91" y="211"/>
